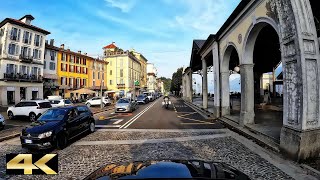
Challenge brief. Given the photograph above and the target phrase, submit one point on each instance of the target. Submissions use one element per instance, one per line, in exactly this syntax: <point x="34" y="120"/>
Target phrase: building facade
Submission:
<point x="151" y="78"/>
<point x="124" y="71"/>
<point x="21" y="60"/>
<point x="50" y="77"/>
<point x="143" y="76"/>
<point x="72" y="70"/>
<point x="97" y="74"/>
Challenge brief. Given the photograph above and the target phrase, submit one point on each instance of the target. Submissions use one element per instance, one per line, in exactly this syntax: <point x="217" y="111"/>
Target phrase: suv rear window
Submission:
<point x="54" y="102"/>
<point x="45" y="105"/>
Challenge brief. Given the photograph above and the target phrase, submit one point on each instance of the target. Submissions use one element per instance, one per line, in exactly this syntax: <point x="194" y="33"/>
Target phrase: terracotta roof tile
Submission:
<point x="110" y="46"/>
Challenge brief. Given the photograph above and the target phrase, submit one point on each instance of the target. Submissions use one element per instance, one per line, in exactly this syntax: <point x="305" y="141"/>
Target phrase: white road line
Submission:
<point x="107" y="126"/>
<point x="132" y="119"/>
<point x="117" y="122"/>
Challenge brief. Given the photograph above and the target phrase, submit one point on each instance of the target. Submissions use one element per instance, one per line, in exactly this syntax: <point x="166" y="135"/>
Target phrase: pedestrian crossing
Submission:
<point x="112" y="123"/>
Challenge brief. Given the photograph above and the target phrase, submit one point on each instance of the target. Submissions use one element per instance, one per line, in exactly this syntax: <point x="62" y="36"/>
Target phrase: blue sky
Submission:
<point x="162" y="30"/>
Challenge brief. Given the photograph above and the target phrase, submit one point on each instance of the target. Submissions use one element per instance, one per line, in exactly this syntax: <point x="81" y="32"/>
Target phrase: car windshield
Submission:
<point x="141" y="96"/>
<point x="53" y="115"/>
<point x="123" y="101"/>
<point x="67" y="101"/>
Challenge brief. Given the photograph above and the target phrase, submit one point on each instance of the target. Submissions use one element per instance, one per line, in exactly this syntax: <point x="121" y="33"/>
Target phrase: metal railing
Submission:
<point x="22" y="77"/>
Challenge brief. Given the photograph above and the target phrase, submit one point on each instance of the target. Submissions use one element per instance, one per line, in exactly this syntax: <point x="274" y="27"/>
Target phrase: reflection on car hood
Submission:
<point x="42" y="126"/>
<point x="122" y="104"/>
<point x="167" y="169"/>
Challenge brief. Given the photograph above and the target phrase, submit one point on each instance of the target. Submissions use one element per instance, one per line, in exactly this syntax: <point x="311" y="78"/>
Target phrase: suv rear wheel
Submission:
<point x="10" y="115"/>
<point x="32" y="117"/>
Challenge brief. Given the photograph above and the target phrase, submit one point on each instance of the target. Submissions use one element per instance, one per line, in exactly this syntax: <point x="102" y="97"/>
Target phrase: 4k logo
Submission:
<point x="31" y="164"/>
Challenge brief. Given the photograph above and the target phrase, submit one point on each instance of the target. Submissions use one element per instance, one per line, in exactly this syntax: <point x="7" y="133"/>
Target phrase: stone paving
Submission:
<point x="78" y="161"/>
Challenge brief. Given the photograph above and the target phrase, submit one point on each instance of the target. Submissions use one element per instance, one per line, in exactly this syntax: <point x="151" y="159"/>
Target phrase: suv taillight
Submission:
<point x="39" y="107"/>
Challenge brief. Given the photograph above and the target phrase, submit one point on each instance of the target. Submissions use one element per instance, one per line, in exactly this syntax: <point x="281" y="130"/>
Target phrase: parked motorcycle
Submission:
<point x="166" y="102"/>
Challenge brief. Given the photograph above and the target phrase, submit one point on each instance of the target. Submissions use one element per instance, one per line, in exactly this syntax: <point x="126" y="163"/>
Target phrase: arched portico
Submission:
<point x="230" y="60"/>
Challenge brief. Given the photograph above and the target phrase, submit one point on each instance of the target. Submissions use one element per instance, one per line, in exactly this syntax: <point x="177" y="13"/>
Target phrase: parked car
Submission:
<point x="97" y="101"/>
<point x="57" y="126"/>
<point x="60" y="103"/>
<point x="150" y="96"/>
<point x="32" y="108"/>
<point x="125" y="105"/>
<point x="2" y="122"/>
<point x="142" y="99"/>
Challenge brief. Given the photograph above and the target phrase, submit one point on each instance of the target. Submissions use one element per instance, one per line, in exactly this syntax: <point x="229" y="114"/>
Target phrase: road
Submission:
<point x="154" y="133"/>
<point x="154" y="116"/>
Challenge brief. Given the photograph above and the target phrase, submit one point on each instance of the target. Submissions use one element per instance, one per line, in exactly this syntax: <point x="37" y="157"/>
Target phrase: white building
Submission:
<point x="21" y="60"/>
<point x="50" y="77"/>
<point x="151" y="77"/>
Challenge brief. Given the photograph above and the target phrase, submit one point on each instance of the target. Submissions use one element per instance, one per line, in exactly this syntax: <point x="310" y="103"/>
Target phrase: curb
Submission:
<point x="9" y="137"/>
<point x="313" y="171"/>
<point x="206" y="114"/>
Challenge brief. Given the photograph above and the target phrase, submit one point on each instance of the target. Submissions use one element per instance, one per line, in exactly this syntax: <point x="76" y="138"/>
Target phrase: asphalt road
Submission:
<point x="154" y="116"/>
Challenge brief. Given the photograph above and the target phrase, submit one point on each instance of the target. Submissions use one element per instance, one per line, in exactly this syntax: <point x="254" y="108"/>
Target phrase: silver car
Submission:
<point x="125" y="105"/>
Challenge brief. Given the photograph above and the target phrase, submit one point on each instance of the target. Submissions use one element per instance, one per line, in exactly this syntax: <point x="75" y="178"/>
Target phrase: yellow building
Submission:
<point x="72" y="71"/>
<point x="143" y="74"/>
<point x="124" y="71"/>
<point x="97" y="74"/>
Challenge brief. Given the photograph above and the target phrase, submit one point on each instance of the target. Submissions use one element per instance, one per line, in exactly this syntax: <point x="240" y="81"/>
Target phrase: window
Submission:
<point x="85" y="70"/>
<point x="78" y="83"/>
<point x="93" y="83"/>
<point x="63" y="81"/>
<point x="93" y="75"/>
<point x="15" y="34"/>
<point x="78" y="69"/>
<point x="121" y="72"/>
<point x="71" y="68"/>
<point x="37" y="54"/>
<point x="63" y="67"/>
<point x="27" y="36"/>
<point x="35" y="70"/>
<point x="110" y="82"/>
<point x="110" y="63"/>
<point x="84" y="61"/>
<point x="52" y="55"/>
<point x="84" y="82"/>
<point x="102" y="76"/>
<point x="13" y="49"/>
<point x="38" y="40"/>
<point x="25" y="52"/>
<point x="23" y="69"/>
<point x="77" y="60"/>
<point x="63" y="57"/>
<point x="44" y="64"/>
<point x="71" y="58"/>
<point x="110" y="72"/>
<point x="0" y="49"/>
<point x="121" y="81"/>
<point x="52" y="66"/>
<point x="11" y="68"/>
<point x="98" y="75"/>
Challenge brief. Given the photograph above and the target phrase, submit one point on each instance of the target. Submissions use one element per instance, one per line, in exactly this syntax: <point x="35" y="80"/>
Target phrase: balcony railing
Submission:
<point x="50" y="84"/>
<point x="121" y="86"/>
<point x="21" y="77"/>
<point x="26" y="58"/>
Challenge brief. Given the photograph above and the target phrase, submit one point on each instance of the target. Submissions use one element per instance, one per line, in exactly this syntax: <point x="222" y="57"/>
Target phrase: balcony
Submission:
<point x="121" y="86"/>
<point x="25" y="58"/>
<point x="21" y="78"/>
<point x="51" y="85"/>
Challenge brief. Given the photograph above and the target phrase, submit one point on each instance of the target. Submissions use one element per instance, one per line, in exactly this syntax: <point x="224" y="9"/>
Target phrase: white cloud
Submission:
<point x="124" y="5"/>
<point x="132" y="25"/>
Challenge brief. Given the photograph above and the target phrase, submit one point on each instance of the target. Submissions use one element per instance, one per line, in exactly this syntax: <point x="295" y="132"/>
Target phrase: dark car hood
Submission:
<point x="167" y="169"/>
<point x="41" y="127"/>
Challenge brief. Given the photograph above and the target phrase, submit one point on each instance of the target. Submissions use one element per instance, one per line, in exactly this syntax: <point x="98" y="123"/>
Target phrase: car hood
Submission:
<point x="122" y="104"/>
<point x="42" y="126"/>
<point x="167" y="169"/>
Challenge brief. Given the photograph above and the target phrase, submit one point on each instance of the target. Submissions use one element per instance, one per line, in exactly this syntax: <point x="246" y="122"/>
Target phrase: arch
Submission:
<point x="251" y="37"/>
<point x="227" y="55"/>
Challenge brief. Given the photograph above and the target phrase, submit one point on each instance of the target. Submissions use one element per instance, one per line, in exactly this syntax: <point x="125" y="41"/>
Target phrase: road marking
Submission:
<point x="128" y="123"/>
<point x="117" y="122"/>
<point x="187" y="114"/>
<point x="204" y="122"/>
<point x="195" y="123"/>
<point x="174" y="107"/>
<point x="107" y="126"/>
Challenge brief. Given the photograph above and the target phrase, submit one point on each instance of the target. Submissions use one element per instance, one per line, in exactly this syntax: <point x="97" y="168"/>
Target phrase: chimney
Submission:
<point x="79" y="52"/>
<point x="85" y="53"/>
<point x="62" y="46"/>
<point x="27" y="19"/>
<point x="113" y="43"/>
<point x="51" y="42"/>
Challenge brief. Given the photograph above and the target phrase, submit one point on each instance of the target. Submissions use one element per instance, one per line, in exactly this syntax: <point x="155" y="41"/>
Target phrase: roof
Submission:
<point x="20" y="23"/>
<point x="68" y="51"/>
<point x="27" y="16"/>
<point x="234" y="14"/>
<point x="110" y="46"/>
<point x="48" y="46"/>
<point x="207" y="42"/>
<point x="199" y="43"/>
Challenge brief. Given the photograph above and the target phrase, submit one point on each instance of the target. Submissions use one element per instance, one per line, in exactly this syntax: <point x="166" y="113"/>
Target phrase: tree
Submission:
<point x="166" y="83"/>
<point x="176" y="81"/>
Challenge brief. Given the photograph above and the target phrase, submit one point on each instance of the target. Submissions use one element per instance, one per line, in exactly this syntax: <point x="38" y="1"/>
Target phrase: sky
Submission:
<point x="162" y="30"/>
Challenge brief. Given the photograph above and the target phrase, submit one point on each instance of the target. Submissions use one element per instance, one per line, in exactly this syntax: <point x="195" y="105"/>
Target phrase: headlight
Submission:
<point x="46" y="134"/>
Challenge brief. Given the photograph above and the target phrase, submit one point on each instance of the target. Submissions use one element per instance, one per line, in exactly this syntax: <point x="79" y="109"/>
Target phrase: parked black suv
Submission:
<point x="57" y="126"/>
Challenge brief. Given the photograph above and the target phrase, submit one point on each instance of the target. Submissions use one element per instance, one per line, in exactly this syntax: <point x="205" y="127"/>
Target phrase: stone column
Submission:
<point x="247" y="94"/>
<point x="225" y="93"/>
<point x="204" y="84"/>
<point x="216" y="78"/>
<point x="190" y="90"/>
